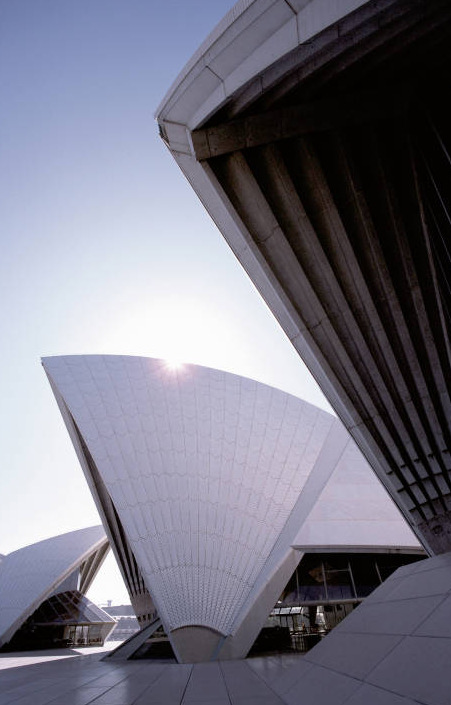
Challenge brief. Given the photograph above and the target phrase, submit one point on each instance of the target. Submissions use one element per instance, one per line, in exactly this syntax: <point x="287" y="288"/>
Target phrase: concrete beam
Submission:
<point x="295" y="121"/>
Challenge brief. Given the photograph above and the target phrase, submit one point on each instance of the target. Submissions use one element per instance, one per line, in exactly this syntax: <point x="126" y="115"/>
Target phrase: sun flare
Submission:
<point x="173" y="364"/>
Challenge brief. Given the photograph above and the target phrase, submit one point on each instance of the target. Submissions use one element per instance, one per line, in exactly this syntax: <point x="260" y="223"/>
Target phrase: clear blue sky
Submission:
<point x="105" y="248"/>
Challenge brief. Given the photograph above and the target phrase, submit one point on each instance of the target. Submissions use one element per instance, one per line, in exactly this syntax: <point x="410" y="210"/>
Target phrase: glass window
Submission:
<point x="364" y="572"/>
<point x="387" y="564"/>
<point x="310" y="580"/>
<point x="338" y="578"/>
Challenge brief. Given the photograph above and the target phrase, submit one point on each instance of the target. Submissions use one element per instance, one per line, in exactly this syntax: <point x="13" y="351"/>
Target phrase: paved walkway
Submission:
<point x="50" y="679"/>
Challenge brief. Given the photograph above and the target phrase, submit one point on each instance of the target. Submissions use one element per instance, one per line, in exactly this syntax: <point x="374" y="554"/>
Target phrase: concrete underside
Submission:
<point x="350" y="219"/>
<point x="328" y="174"/>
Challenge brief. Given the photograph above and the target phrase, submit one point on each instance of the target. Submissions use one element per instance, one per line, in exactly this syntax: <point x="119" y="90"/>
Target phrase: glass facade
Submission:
<point x="324" y="588"/>
<point x="322" y="578"/>
<point x="65" y="619"/>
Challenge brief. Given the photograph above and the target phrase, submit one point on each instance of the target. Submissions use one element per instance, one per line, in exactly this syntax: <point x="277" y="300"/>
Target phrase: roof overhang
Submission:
<point x="315" y="134"/>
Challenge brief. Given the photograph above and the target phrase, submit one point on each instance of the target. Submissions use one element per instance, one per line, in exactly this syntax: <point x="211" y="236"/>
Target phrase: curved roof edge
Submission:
<point x="66" y="373"/>
<point x="236" y="65"/>
<point x="48" y="360"/>
<point x="31" y="574"/>
<point x="249" y="40"/>
<point x="251" y="37"/>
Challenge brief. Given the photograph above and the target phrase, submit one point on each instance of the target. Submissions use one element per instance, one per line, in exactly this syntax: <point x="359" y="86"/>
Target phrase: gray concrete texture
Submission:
<point x="81" y="680"/>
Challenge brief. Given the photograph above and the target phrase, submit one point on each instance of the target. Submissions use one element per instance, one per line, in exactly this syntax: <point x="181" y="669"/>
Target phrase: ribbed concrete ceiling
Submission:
<point x="339" y="171"/>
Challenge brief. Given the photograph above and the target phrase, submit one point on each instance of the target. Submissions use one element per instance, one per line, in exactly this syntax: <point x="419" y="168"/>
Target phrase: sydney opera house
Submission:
<point x="317" y="136"/>
<point x="214" y="488"/>
<point x="43" y="587"/>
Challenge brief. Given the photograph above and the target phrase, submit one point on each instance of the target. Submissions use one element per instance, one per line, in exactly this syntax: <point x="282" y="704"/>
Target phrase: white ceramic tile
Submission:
<point x="210" y="491"/>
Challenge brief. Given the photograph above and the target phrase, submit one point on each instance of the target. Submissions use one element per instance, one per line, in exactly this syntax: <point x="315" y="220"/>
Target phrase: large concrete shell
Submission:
<point x="204" y="480"/>
<point x="30" y="575"/>
<point x="316" y="133"/>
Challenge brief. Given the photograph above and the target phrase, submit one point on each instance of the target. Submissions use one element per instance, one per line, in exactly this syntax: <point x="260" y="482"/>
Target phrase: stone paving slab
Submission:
<point x="46" y="679"/>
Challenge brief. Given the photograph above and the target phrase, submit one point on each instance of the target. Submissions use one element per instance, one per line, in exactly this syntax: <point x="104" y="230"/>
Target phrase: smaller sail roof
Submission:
<point x="31" y="574"/>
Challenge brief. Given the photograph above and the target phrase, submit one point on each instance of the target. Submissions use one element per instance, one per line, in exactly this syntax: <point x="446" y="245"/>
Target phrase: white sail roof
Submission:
<point x="31" y="574"/>
<point x="211" y="475"/>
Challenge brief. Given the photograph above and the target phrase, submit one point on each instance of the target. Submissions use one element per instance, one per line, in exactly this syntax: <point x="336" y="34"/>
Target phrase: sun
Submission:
<point x="173" y="364"/>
